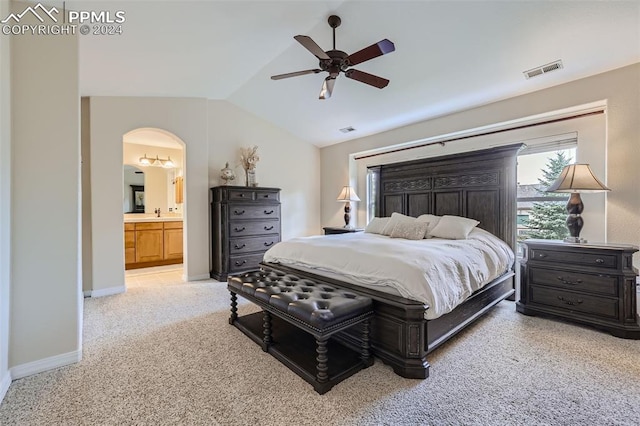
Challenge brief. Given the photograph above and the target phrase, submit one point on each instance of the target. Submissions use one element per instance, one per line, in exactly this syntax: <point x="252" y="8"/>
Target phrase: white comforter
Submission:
<point x="441" y="273"/>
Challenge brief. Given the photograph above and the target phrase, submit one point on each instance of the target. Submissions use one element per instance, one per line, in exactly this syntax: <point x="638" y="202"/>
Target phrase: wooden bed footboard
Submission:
<point x="400" y="335"/>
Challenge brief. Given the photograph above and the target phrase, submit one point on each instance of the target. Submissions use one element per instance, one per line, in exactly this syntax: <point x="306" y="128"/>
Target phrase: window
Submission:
<point x="540" y="214"/>
<point x="373" y="180"/>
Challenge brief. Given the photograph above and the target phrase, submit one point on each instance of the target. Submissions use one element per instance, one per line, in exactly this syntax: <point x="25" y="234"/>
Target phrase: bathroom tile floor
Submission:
<point x="156" y="276"/>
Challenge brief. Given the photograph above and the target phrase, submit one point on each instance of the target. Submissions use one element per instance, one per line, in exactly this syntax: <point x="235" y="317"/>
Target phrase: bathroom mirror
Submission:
<point x="149" y="188"/>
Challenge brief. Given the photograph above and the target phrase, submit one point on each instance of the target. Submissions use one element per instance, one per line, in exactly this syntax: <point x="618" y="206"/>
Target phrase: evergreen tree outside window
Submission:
<point x="543" y="215"/>
<point x="547" y="220"/>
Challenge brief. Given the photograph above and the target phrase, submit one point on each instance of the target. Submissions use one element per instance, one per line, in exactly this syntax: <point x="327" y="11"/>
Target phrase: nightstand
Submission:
<point x="330" y="230"/>
<point x="590" y="284"/>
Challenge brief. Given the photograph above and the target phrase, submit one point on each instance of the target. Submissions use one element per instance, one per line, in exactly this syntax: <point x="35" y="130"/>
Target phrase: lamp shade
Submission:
<point x="348" y="194"/>
<point x="157" y="162"/>
<point x="577" y="178"/>
<point x="168" y="164"/>
<point x="145" y="161"/>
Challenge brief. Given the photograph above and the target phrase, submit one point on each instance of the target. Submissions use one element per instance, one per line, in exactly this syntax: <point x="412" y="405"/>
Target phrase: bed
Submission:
<point x="480" y="185"/>
<point x="440" y="273"/>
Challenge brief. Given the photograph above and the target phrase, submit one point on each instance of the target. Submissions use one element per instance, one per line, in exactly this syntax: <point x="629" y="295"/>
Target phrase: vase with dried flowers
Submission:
<point x="249" y="158"/>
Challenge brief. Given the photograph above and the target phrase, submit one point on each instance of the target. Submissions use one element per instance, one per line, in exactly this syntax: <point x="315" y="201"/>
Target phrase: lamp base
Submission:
<point x="576" y="240"/>
<point x="574" y="220"/>
<point x="347" y="216"/>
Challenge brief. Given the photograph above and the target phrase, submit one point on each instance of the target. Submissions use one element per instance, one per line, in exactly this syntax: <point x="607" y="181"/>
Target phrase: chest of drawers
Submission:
<point x="592" y="284"/>
<point x="245" y="223"/>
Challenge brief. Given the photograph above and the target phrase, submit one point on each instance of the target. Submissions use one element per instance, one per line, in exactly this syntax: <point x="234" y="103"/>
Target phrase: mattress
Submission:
<point x="438" y="272"/>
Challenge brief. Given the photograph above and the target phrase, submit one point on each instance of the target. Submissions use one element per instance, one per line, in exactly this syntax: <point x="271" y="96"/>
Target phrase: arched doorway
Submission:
<point x="153" y="200"/>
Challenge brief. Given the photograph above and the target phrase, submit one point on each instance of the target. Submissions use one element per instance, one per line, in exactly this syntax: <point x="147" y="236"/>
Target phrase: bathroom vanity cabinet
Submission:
<point x="152" y="243"/>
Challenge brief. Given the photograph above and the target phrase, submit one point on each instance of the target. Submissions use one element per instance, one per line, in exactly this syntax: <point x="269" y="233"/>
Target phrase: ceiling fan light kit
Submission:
<point x="336" y="61"/>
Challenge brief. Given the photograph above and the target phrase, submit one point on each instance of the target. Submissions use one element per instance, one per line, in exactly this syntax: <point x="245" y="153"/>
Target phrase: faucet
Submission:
<point x="157" y="211"/>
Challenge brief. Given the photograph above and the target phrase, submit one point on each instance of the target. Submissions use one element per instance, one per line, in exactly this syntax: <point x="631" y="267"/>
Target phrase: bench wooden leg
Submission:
<point x="266" y="339"/>
<point x="365" y="354"/>
<point x="234" y="308"/>
<point x="322" y="360"/>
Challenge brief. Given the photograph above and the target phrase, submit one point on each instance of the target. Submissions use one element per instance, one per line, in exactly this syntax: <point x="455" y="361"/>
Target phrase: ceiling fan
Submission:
<point x="336" y="61"/>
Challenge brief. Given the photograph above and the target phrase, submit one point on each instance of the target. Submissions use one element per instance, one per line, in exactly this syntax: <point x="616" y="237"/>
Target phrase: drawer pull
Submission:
<point x="239" y="229"/>
<point x="238" y="263"/>
<point x="599" y="261"/>
<point x="266" y="195"/>
<point x="570" y="302"/>
<point x="542" y="255"/>
<point x="268" y="244"/>
<point x="268" y="212"/>
<point x="268" y="228"/>
<point x="237" y="247"/>
<point x="565" y="281"/>
<point x="241" y="212"/>
<point x="242" y="195"/>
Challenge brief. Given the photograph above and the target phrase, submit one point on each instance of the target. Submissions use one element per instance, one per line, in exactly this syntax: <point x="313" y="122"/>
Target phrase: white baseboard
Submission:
<point x="35" y="367"/>
<point x="4" y="385"/>
<point x="196" y="277"/>
<point x="106" y="291"/>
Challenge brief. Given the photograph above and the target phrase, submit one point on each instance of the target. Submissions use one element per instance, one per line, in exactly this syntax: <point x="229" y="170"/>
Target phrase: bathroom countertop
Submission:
<point x="152" y="219"/>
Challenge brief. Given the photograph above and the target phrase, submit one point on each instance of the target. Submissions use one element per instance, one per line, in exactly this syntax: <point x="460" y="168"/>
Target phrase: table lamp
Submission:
<point x="347" y="195"/>
<point x="575" y="179"/>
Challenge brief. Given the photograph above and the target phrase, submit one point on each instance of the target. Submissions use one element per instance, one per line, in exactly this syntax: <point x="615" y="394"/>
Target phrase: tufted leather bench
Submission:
<point x="313" y="306"/>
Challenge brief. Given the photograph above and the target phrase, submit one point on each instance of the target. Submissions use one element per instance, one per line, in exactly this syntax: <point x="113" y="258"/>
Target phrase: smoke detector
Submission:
<point x="543" y="69"/>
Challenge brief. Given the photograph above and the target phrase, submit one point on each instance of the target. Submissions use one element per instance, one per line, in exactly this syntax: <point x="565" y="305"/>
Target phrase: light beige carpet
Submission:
<point x="164" y="353"/>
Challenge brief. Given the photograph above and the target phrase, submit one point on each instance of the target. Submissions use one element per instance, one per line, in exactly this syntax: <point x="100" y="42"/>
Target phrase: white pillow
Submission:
<point x="410" y="230"/>
<point x="393" y="221"/>
<point x="454" y="227"/>
<point x="377" y="224"/>
<point x="433" y="222"/>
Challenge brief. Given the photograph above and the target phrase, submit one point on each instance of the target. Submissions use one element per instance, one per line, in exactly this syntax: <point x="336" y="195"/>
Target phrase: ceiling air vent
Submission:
<point x="347" y="129"/>
<point x="543" y="69"/>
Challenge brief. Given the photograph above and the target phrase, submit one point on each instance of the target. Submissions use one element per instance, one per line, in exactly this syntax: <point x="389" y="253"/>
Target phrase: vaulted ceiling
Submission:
<point x="450" y="55"/>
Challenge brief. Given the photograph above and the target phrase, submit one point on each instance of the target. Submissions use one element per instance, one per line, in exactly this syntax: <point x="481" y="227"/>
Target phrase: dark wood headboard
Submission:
<point x="478" y="184"/>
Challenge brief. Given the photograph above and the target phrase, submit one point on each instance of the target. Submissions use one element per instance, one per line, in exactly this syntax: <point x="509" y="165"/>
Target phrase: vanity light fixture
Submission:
<point x="157" y="162"/>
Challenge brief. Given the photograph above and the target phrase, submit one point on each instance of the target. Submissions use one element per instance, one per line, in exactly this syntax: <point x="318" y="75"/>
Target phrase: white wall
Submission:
<point x="213" y="132"/>
<point x="85" y="149"/>
<point x="46" y="302"/>
<point x="5" y="204"/>
<point x="110" y="119"/>
<point x="620" y="89"/>
<point x="286" y="162"/>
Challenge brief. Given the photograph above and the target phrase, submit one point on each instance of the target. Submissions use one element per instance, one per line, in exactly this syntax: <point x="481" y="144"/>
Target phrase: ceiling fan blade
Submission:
<point x="311" y="46"/>
<point x="378" y="49"/>
<point x="294" y="74"/>
<point x="327" y="87"/>
<point x="370" y="79"/>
